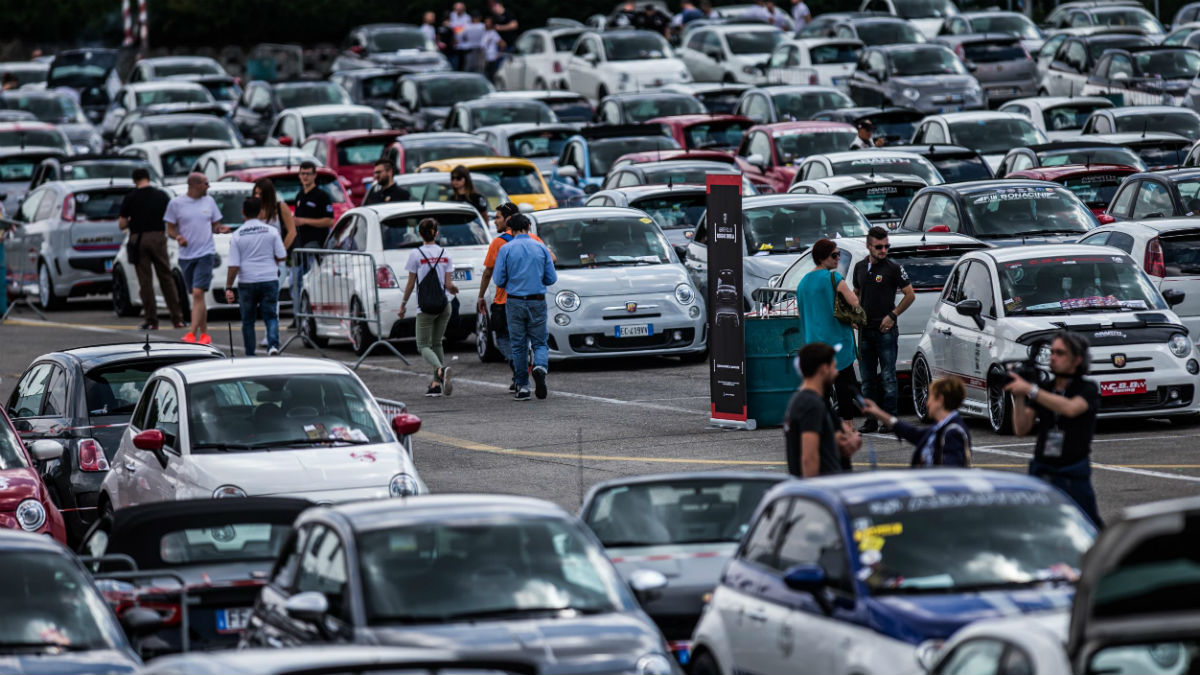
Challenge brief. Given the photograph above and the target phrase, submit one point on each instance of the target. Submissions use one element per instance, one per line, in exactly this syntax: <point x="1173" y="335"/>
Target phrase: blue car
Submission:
<point x="587" y="156"/>
<point x="868" y="573"/>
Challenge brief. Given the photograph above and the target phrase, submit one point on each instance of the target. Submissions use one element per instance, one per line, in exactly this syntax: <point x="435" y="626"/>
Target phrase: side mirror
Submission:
<point x="757" y="160"/>
<point x="358" y="50"/>
<point x="646" y="584"/>
<point x="140" y="621"/>
<point x="150" y="439"/>
<point x="971" y="308"/>
<point x="927" y="654"/>
<point x="1105" y="219"/>
<point x="592" y="59"/>
<point x="286" y="140"/>
<point x="806" y="577"/>
<point x="568" y="172"/>
<point x="1121" y="77"/>
<point x="1171" y="295"/>
<point x="716" y="55"/>
<point x="45" y="449"/>
<point x="308" y="606"/>
<point x="525" y="208"/>
<point x="939" y="228"/>
<point x="406" y="424"/>
<point x="591" y="189"/>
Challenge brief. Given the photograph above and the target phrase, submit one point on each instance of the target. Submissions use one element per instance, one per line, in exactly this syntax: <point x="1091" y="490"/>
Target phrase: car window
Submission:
<point x="163" y="413"/>
<point x="1122" y="241"/>
<point x="285" y="568"/>
<point x="973" y="657"/>
<point x="323" y="570"/>
<point x="27" y="398"/>
<point x="1153" y="201"/>
<point x="46" y="208"/>
<point x="758" y="109"/>
<point x="812" y="536"/>
<point x="1098" y="239"/>
<point x="912" y="217"/>
<point x="941" y="213"/>
<point x="933" y="134"/>
<point x="761" y="544"/>
<point x="1120" y="67"/>
<point x="1120" y="203"/>
<point x="977" y="285"/>
<point x="1075" y="55"/>
<point x="55" y="404"/>
<point x="760" y="144"/>
<point x="953" y="291"/>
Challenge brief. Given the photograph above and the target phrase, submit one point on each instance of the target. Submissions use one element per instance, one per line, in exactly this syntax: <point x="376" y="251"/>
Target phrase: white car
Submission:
<point x="216" y="163"/>
<point x="991" y="134"/>
<point x="926" y="15"/>
<point x="1005" y="304"/>
<point x="730" y="53"/>
<point x="173" y="160"/>
<point x="293" y="126"/>
<point x="389" y="233"/>
<point x="1061" y="118"/>
<point x="538" y="59"/>
<point x="283" y="426"/>
<point x="617" y="61"/>
<point x="824" y="61"/>
<point x="855" y="162"/>
<point x="177" y="93"/>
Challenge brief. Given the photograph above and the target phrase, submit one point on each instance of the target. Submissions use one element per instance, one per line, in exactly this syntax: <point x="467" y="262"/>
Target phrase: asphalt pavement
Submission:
<point x="606" y="418"/>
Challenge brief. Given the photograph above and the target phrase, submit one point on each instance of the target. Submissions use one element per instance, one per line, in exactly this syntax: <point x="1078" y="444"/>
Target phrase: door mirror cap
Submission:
<point x="307" y="606"/>
<point x="806" y="577"/>
<point x="969" y="307"/>
<point x="46" y="449"/>
<point x="567" y="172"/>
<point x="406" y="424"/>
<point x="140" y="621"/>
<point x="150" y="439"/>
<point x="1171" y="295"/>
<point x="286" y="140"/>
<point x="939" y="228"/>
<point x="757" y="160"/>
<point x="647" y="584"/>
<point x="1105" y="219"/>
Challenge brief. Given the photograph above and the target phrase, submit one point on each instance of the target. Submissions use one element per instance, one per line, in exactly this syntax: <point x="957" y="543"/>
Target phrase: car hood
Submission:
<point x="934" y="81"/>
<point x="648" y="67"/>
<point x="90" y="663"/>
<point x="916" y="618"/>
<point x="763" y="267"/>
<point x="603" y="281"/>
<point x="408" y="57"/>
<point x="305" y="470"/>
<point x="17" y="485"/>
<point x="602" y="643"/>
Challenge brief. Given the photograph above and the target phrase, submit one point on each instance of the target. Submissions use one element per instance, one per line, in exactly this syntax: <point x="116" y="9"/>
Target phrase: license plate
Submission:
<point x="950" y="108"/>
<point x="108" y="265"/>
<point x="839" y="81"/>
<point x="232" y="620"/>
<point x="1122" y="388"/>
<point x="635" y="330"/>
<point x="461" y="275"/>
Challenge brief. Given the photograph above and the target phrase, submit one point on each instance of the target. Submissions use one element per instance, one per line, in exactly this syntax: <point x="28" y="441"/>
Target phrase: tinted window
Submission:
<point x="20" y="168"/>
<point x="882" y="201"/>
<point x="116" y="390"/>
<point x="319" y="124"/>
<point x="994" y="52"/>
<point x="635" y="46"/>
<point x="803" y="105"/>
<point x="230" y="203"/>
<point x="924" y="9"/>
<point x="1184" y="122"/>
<point x="362" y="150"/>
<point x="395" y="39"/>
<point x="44" y="137"/>
<point x="516" y="180"/>
<point x="1026" y="211"/>
<point x="959" y="169"/>
<point x="1094" y="190"/>
<point x="181" y="95"/>
<point x="49" y="601"/>
<point x="834" y="53"/>
<point x="813" y="536"/>
<point x="234" y="542"/>
<point x="167" y="129"/>
<point x="1163" y="155"/>
<point x="753" y="42"/>
<point x="615" y="241"/>
<point x="888" y="32"/>
<point x="995" y="135"/>
<point x="1098" y="155"/>
<point x="454" y="229"/>
<point x="1009" y="24"/>
<point x="761" y="544"/>
<point x="27" y="398"/>
<point x="1073" y="284"/>
<point x="416" y="155"/>
<point x="288" y="186"/>
<point x="602" y="153"/>
<point x="310" y="93"/>
<point x="789" y="228"/>
<point x="674" y="212"/>
<point x="445" y="92"/>
<point x="795" y="145"/>
<point x="52" y="108"/>
<point x="932" y="60"/>
<point x="928" y="269"/>
<point x="681" y="512"/>
<point x="530" y="112"/>
<point x="1181" y="253"/>
<point x="323" y="569"/>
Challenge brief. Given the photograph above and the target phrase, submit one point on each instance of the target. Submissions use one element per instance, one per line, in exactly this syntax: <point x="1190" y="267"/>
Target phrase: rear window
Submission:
<point x="223" y="543"/>
<point x="454" y="229"/>
<point x="1114" y="154"/>
<point x="382" y="86"/>
<point x="108" y="168"/>
<point x="13" y="169"/>
<point x="24" y="137"/>
<point x="1095" y="190"/>
<point x="362" y="150"/>
<point x="99" y="204"/>
<point x="316" y="93"/>
<point x="415" y="156"/>
<point x="929" y="267"/>
<point x="572" y="111"/>
<point x="188" y="68"/>
<point x="1181" y="253"/>
<point x="211" y="130"/>
<point x="287" y="187"/>
<point x="116" y="390"/>
<point x="833" y="53"/>
<point x="180" y="162"/>
<point x="959" y="169"/>
<point x="1070" y="116"/>
<point x="1163" y="156"/>
<point x="516" y="180"/>
<point x="181" y="95"/>
<point x="538" y="143"/>
<point x="881" y="202"/>
<point x="992" y="52"/>
<point x="319" y="124"/>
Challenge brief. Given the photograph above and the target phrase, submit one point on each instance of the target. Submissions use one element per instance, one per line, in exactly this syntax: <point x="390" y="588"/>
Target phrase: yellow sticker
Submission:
<point x="765" y="247"/>
<point x="870" y="543"/>
<point x="646" y="220"/>
<point x="872" y="538"/>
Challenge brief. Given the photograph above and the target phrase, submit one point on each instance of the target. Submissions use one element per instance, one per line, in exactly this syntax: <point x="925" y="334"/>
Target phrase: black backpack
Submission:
<point x="431" y="297"/>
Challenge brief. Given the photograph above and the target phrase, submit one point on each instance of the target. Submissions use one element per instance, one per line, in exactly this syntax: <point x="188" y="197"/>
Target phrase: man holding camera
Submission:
<point x="1064" y="416"/>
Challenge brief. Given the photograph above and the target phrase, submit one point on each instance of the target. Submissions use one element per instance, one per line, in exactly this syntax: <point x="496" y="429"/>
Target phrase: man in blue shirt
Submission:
<point x="524" y="269"/>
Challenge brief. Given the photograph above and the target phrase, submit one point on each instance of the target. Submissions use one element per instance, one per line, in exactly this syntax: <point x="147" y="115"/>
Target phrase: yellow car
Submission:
<point x="520" y="178"/>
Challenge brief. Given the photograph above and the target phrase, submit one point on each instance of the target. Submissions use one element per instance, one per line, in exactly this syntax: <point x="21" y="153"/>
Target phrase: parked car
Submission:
<point x="929" y="78"/>
<point x="62" y="110"/>
<point x="706" y="131"/>
<point x="351" y="155"/>
<point x="172" y="160"/>
<point x="372" y="87"/>
<point x="1061" y="118"/>
<point x="638" y="107"/>
<point x="1143" y="119"/>
<point x="588" y="155"/>
<point x="619" y="61"/>
<point x="287" y="184"/>
<point x="294" y="126"/>
<point x="539" y="59"/>
<point x="867" y="162"/>
<point x="767" y="105"/>
<point x="90" y="71"/>
<point x="424" y="99"/>
<point x="877" y="30"/>
<point x="729" y="53"/>
<point x="33" y="135"/>
<point x="1061" y="153"/>
<point x="1156" y="151"/>
<point x="677" y="208"/>
<point x="520" y="178"/>
<point x="1001" y="212"/>
<point x="770" y="153"/>
<point x="569" y="107"/>
<point x="1093" y="184"/>
<point x="55" y="166"/>
<point x="18" y="169"/>
<point x="991" y="134"/>
<point x="824" y="61"/>
<point x="1157" y="194"/>
<point x="470" y="115"/>
<point x="954" y="163"/>
<point x="1154" y="75"/>
<point x="216" y="163"/>
<point x="28" y="73"/>
<point x="163" y="67"/>
<point x="262" y="102"/>
<point x="993" y="22"/>
<point x="927" y="17"/>
<point x="718" y="97"/>
<point x="668" y="172"/>
<point x="412" y="150"/>
<point x="1000" y="64"/>
<point x="539" y="143"/>
<point x="1065" y="72"/>
<point x="142" y="126"/>
<point x="1100" y="16"/>
<point x="146" y="94"/>
<point x="332" y="658"/>
<point x="393" y="45"/>
<point x="881" y="197"/>
<point x="26" y="504"/>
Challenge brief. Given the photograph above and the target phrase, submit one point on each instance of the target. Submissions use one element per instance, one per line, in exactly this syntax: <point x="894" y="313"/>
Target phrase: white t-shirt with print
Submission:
<point x="194" y="218"/>
<point x="425" y="258"/>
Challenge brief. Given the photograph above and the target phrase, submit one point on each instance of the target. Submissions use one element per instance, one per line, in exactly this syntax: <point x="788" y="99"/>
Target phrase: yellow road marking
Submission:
<point x="59" y="324"/>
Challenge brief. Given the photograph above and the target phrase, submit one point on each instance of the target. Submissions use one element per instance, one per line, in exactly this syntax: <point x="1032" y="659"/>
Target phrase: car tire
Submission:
<point x="47" y="298"/>
<point x="184" y="293"/>
<point x="122" y="301"/>
<point x="601" y="93"/>
<point x="704" y="664"/>
<point x="1184" y="420"/>
<point x="921" y="379"/>
<point x="729" y="79"/>
<point x="361" y="337"/>
<point x="485" y="347"/>
<point x="1000" y="409"/>
<point x="308" y="327"/>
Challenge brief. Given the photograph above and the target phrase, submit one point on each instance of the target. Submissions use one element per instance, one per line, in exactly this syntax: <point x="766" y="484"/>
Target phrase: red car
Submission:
<point x="706" y="132"/>
<point x="1094" y="184"/>
<point x="352" y="155"/>
<point x="24" y="501"/>
<point x="664" y="155"/>
<point x="287" y="184"/>
<point x="770" y="153"/>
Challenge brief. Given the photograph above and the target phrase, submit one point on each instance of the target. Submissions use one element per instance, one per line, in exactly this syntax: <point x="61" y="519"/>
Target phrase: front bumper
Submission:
<point x="592" y="331"/>
<point x="1003" y="91"/>
<point x="1152" y="382"/>
<point x="944" y="103"/>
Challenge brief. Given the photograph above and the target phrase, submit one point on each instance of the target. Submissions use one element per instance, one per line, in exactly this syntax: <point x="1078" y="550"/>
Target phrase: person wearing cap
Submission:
<point x="863" y="140"/>
<point x="524" y="269"/>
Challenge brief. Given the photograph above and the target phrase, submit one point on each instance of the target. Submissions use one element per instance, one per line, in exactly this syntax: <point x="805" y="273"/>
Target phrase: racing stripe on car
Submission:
<point x="664" y="556"/>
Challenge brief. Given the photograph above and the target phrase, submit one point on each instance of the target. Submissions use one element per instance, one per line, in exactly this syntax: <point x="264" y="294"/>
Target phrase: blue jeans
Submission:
<point x="255" y="297"/>
<point x="527" y="327"/>
<point x="877" y="354"/>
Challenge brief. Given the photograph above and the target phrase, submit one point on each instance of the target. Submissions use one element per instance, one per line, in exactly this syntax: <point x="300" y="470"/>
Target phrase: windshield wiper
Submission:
<point x="1034" y="233"/>
<point x="223" y="447"/>
<point x="310" y="441"/>
<point x="9" y="647"/>
<point x="515" y="611"/>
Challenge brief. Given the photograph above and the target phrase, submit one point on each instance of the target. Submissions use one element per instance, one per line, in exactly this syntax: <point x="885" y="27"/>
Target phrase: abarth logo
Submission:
<point x="631" y="307"/>
<point x="1118" y="360"/>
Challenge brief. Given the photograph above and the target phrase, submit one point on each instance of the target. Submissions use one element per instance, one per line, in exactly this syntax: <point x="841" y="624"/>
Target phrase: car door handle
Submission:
<point x="758" y="615"/>
<point x="944" y="331"/>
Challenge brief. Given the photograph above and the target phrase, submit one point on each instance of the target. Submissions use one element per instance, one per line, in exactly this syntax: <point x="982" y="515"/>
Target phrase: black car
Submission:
<point x="1154" y="150"/>
<point x="84" y="398"/>
<point x="390" y="45"/>
<point x="90" y="166"/>
<point x="140" y="127"/>
<point x="92" y="72"/>
<point x="956" y="163"/>
<point x="55" y="620"/>
<point x="493" y="110"/>
<point x="424" y="100"/>
<point x="1001" y="212"/>
<point x="1087" y="151"/>
<point x="1147" y="74"/>
<point x="1158" y="194"/>
<point x="262" y="101"/>
<point x="1068" y="70"/>
<point x="895" y="125"/>
<point x="369" y="86"/>
<point x="668" y="172"/>
<point x="482" y="574"/>
<point x="638" y="107"/>
<point x="223" y="550"/>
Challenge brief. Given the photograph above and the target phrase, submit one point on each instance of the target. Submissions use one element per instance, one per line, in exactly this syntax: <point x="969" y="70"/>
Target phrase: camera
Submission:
<point x="1031" y="369"/>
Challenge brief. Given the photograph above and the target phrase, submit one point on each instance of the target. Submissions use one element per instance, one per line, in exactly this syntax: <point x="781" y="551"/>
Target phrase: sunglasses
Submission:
<point x="881" y="247"/>
<point x="458" y="177"/>
<point x="835" y="256"/>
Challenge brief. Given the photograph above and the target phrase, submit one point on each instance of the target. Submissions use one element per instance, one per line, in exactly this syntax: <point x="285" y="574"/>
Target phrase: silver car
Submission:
<point x="65" y="240"/>
<point x="927" y="77"/>
<point x="621" y="290"/>
<point x="1000" y="63"/>
<point x="17" y="167"/>
<point x="536" y="142"/>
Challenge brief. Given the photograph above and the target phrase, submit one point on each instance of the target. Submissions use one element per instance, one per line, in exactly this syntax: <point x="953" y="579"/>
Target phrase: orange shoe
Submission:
<point x="205" y="339"/>
<point x="189" y="337"/>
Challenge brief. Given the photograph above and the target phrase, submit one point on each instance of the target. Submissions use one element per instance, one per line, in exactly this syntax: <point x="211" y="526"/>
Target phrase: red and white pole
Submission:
<point x="143" y="27"/>
<point x="127" y="21"/>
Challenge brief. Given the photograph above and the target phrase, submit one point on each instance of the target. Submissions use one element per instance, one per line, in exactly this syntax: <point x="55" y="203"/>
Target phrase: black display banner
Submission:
<point x="726" y="337"/>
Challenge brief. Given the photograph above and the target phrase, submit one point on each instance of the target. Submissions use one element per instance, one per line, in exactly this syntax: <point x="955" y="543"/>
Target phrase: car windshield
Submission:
<point x="230" y="202"/>
<point x="446" y="91"/>
<point x="538" y="143"/>
<point x="1181" y="253"/>
<point x="1069" y="116"/>
<point x="243" y="541"/>
<point x="640" y="110"/>
<point x="914" y="166"/>
<point x="796" y="144"/>
<point x="395" y="39"/>
<point x="105" y="168"/>
<point x="895" y="128"/>
<point x="309" y="93"/>
<point x="636" y="46"/>
<point x="417" y="154"/>
<point x="881" y="202"/>
<point x="924" y="9"/>
<point x="1128" y="16"/>
<point x="753" y="41"/>
<point x="516" y="180"/>
<point x="513" y="112"/>
<point x="180" y="162"/>
<point x="803" y="105"/>
<point x="279" y="412"/>
<point x="482" y="568"/>
<point x="1095" y="190"/>
<point x="928" y="267"/>
<point x="701" y="511"/>
<point x="674" y="212"/>
<point x="380" y="86"/>
<point x="52" y="108"/>
<point x="994" y="51"/>
<point x="288" y="186"/>
<point x="888" y="33"/>
<point x="1004" y="538"/>
<point x="1163" y="155"/>
<point x="198" y="67"/>
<point x="100" y="204"/>
<point x="212" y="129"/>
<point x="572" y="111"/>
<point x="1019" y="211"/>
<point x="195" y="94"/>
<point x="608" y="241"/>
<point x="282" y="159"/>
<point x="343" y="121"/>
<point x="960" y="169"/>
<point x="603" y="152"/>
<point x="932" y="60"/>
<point x="360" y="151"/>
<point x="668" y="173"/>
<point x="19" y="138"/>
<point x="1101" y="154"/>
<point x="1168" y="64"/>
<point x="789" y="228"/>
<point x="565" y="42"/>
<point x="223" y="90"/>
<point x="437" y="190"/>
<point x="1097" y="47"/>
<point x="719" y="102"/>
<point x="84" y="68"/>
<point x="1008" y="24"/>
<point x="1065" y="284"/>
<point x="11" y="455"/>
<point x="840" y="52"/>
<point x="456" y="228"/>
<point x="51" y="607"/>
<point x="20" y="168"/>
<point x="29" y="75"/>
<point x="715" y="135"/>
<point x="994" y="136"/>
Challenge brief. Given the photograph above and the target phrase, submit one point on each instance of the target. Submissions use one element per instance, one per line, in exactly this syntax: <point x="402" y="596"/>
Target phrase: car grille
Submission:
<point x="609" y="343"/>
<point x="95" y="265"/>
<point x="1160" y="398"/>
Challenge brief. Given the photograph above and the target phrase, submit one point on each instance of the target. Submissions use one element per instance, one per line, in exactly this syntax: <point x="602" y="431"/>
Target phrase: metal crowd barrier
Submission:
<point x="135" y="575"/>
<point x="19" y="280"/>
<point x="342" y="287"/>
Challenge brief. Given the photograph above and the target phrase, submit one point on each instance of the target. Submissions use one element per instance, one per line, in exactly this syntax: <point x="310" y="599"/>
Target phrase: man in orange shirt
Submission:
<point x="497" y="317"/>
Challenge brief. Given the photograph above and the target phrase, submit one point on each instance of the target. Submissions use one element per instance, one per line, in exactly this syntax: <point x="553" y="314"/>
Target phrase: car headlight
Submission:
<point x="31" y="515"/>
<point x="562" y="320"/>
<point x="403" y="485"/>
<point x="1179" y="345"/>
<point x="1042" y="357"/>
<point x="751" y="70"/>
<point x="567" y="301"/>
<point x="228" y="491"/>
<point x="654" y="664"/>
<point x="910" y="93"/>
<point x="684" y="294"/>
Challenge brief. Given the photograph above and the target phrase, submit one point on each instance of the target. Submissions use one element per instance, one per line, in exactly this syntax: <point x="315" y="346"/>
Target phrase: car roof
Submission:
<point x="389" y="209"/>
<point x="803" y="125"/>
<point x="179" y="143"/>
<point x="438" y="137"/>
<point x="584" y="212"/>
<point x="757" y="201"/>
<point x="11" y="151"/>
<point x="458" y="75"/>
<point x="980" y="115"/>
<point x="633" y="192"/>
<point x="1068" y="170"/>
<point x="259" y="151"/>
<point x="686" y="476"/>
<point x="92" y="356"/>
<point x="383" y="513"/>
<point x="903" y="46"/>
<point x="94" y="183"/>
<point x="518" y="127"/>
<point x="217" y="186"/>
<point x="331" y="108"/>
<point x="845" y="181"/>
<point x="707" y="87"/>
<point x="1145" y="109"/>
<point x="498" y="101"/>
<point x="1160" y="224"/>
<point x="642" y="95"/>
<point x="477" y="162"/>
<point x="254" y="173"/>
<point x="357" y="73"/>
<point x="685" y="162"/>
<point x="538" y="94"/>
<point x="328" y="658"/>
<point x="933" y="149"/>
<point x="346" y="134"/>
<point x="1183" y="173"/>
<point x="1134" y="137"/>
<point x="281" y="365"/>
<point x="863" y="486"/>
<point x="14" y="540"/>
<point x="1043" y="102"/>
<point x="1083" y="142"/>
<point x="442" y="177"/>
<point x="797" y="89"/>
<point x="155" y="85"/>
<point x="853" y="154"/>
<point x="975" y="186"/>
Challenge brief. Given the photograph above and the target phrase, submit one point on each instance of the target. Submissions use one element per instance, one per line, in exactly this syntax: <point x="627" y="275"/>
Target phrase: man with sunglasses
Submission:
<point x="877" y="279"/>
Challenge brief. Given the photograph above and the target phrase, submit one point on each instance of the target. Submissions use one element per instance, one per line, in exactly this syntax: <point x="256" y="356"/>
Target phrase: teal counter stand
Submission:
<point x="771" y="379"/>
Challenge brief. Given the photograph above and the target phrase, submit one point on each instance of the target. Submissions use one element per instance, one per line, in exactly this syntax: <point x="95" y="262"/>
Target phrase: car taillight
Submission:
<point x="91" y="456"/>
<point x="1154" y="263"/>
<point x="384" y="278"/>
<point x="558" y="67"/>
<point x="812" y="79"/>
<point x="68" y="210"/>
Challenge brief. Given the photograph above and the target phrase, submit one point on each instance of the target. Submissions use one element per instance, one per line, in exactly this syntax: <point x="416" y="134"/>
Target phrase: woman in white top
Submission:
<point x="276" y="214"/>
<point x="434" y="307"/>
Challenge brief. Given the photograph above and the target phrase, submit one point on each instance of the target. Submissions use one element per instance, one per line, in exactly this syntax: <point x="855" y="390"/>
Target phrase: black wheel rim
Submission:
<point x="920" y="378"/>
<point x="45" y="290"/>
<point x="996" y="407"/>
<point x="481" y="335"/>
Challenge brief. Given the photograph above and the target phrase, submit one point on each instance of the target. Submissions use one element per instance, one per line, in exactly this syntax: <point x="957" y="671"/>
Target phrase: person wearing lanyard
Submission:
<point x="1065" y="421"/>
<point x="948" y="441"/>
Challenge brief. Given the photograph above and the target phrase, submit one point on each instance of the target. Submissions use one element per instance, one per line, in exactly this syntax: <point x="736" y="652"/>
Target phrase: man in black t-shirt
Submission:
<point x="506" y="25"/>
<point x="314" y="218"/>
<point x="142" y="215"/>
<point x="1065" y="421"/>
<point x="385" y="189"/>
<point x="877" y="279"/>
<point x="817" y="442"/>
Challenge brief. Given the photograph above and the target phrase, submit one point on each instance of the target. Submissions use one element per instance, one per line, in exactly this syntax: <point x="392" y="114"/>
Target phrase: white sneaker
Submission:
<point x="263" y="343"/>
<point x="273" y="351"/>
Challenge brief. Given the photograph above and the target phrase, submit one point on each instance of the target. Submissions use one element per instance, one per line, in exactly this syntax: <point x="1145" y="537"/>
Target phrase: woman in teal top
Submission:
<point x="814" y="304"/>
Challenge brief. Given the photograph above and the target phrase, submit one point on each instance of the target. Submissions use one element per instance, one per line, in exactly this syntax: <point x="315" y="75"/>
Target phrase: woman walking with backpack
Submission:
<point x="430" y="271"/>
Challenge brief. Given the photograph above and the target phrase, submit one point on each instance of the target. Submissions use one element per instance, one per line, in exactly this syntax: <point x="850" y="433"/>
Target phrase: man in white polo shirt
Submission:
<point x="191" y="220"/>
<point x="255" y="251"/>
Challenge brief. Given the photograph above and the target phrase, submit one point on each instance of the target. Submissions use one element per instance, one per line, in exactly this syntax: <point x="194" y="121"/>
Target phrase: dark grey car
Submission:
<point x="1000" y="63"/>
<point x="927" y="77"/>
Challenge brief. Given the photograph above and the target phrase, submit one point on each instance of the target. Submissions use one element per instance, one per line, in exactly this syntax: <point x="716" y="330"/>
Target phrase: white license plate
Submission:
<point x="232" y="620"/>
<point x="950" y="108"/>
<point x="839" y="81"/>
<point x="461" y="275"/>
<point x="108" y="265"/>
<point x="635" y="330"/>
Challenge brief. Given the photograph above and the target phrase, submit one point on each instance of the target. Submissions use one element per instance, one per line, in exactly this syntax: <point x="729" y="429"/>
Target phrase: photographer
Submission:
<point x="948" y="441"/>
<point x="1065" y="420"/>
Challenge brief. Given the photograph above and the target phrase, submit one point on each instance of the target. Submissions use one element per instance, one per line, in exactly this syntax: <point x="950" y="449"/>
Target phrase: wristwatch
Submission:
<point x="1033" y="392"/>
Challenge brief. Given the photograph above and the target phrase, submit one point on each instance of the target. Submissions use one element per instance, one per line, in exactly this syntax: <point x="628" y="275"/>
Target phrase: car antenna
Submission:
<point x="146" y="344"/>
<point x="1145" y="125"/>
<point x="228" y="325"/>
<point x="1088" y="162"/>
<point x="21" y="135"/>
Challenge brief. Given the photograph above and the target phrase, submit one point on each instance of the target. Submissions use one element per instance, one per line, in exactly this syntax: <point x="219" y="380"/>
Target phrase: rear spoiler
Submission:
<point x="622" y="131"/>
<point x="182" y="108"/>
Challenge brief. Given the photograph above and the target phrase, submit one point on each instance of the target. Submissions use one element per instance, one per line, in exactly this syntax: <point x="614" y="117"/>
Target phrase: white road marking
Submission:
<point x="1096" y="465"/>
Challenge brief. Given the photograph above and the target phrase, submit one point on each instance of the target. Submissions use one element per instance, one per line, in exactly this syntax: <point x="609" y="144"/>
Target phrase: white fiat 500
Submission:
<point x="999" y="303"/>
<point x="280" y="426"/>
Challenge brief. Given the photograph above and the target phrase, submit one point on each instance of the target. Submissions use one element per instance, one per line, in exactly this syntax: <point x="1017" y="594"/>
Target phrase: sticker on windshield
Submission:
<point x="402" y="542"/>
<point x="881" y="160"/>
<point x="82" y="197"/>
<point x="315" y="432"/>
<point x="646" y="220"/>
<point x="587" y="259"/>
<point x="765" y="246"/>
<point x="1016" y="194"/>
<point x="949" y="500"/>
<point x="885" y="190"/>
<point x="873" y="538"/>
